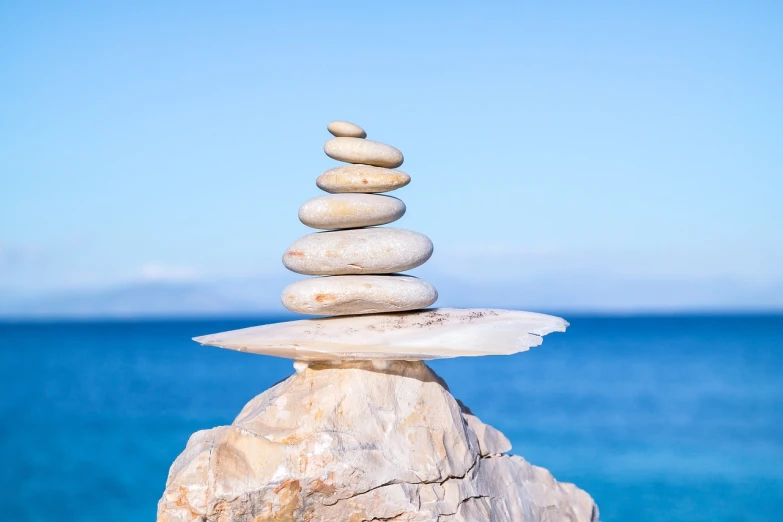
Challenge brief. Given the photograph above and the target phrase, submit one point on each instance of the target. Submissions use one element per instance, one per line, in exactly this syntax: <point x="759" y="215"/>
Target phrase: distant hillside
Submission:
<point x="262" y="295"/>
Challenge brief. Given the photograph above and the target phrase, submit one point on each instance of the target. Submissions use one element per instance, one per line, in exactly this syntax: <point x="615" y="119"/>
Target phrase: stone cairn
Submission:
<point x="359" y="262"/>
<point x="364" y="430"/>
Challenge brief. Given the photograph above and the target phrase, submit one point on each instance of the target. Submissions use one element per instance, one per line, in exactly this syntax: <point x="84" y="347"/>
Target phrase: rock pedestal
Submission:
<point x="362" y="442"/>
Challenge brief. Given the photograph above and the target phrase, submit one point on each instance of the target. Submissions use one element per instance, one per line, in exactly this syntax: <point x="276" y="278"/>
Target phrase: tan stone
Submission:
<point x="358" y="294"/>
<point x="358" y="251"/>
<point x="366" y="152"/>
<point x="361" y="178"/>
<point x="350" y="211"/>
<point x="346" y="129"/>
<point x="358" y="442"/>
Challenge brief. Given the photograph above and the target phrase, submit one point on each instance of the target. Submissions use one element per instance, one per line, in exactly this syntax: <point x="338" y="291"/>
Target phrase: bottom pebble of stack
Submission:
<point x="358" y="294"/>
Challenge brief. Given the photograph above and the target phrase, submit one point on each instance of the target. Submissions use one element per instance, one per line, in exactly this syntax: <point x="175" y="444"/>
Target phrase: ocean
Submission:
<point x="661" y="418"/>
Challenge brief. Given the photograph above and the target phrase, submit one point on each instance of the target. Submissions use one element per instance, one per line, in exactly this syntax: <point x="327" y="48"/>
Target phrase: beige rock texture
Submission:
<point x="361" y="442"/>
<point x="435" y="333"/>
<point x="366" y="152"/>
<point x="358" y="294"/>
<point x="361" y="178"/>
<point x="337" y="211"/>
<point x="358" y="251"/>
<point x="346" y="129"/>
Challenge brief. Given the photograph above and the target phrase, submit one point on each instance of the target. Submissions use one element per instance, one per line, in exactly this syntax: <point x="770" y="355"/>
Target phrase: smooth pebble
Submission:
<point x="358" y="294"/>
<point x="358" y="251"/>
<point x="350" y="211"/>
<point x="361" y="178"/>
<point x="367" y="152"/>
<point x="346" y="129"/>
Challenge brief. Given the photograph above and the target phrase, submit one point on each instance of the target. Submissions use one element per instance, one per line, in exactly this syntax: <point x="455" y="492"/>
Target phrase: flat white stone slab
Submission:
<point x="435" y="333"/>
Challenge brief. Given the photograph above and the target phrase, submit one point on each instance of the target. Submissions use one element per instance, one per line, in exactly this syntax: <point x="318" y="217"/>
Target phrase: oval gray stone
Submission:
<point x="346" y="129"/>
<point x="367" y="152"/>
<point x="350" y="211"/>
<point x="358" y="251"/>
<point x="358" y="294"/>
<point x="361" y="178"/>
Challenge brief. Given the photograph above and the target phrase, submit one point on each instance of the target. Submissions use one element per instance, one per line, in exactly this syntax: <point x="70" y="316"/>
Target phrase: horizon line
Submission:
<point x="283" y="316"/>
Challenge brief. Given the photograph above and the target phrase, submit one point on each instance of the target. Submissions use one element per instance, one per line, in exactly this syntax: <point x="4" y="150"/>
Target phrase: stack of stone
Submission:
<point x="360" y="262"/>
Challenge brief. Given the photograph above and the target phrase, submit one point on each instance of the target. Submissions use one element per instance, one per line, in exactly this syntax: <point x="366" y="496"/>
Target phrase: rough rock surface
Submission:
<point x="361" y="442"/>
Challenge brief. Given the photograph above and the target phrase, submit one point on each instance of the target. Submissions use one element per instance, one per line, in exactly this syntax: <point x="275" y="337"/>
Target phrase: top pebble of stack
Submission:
<point x="360" y="260"/>
<point x="345" y="129"/>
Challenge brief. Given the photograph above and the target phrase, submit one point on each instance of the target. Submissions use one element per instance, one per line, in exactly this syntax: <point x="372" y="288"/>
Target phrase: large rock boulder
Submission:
<point x="361" y="442"/>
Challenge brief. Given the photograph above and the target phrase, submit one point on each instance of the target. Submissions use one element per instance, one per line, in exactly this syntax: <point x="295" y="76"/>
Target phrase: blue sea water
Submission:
<point x="659" y="418"/>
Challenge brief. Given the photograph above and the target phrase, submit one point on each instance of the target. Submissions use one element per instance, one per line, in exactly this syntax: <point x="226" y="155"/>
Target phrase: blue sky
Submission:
<point x="623" y="145"/>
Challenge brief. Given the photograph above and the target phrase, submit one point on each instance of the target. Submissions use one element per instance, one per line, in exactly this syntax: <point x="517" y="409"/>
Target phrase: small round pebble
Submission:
<point x="350" y="211"/>
<point x="361" y="178"/>
<point x="358" y="294"/>
<point x="346" y="129"/>
<point x="366" y="152"/>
